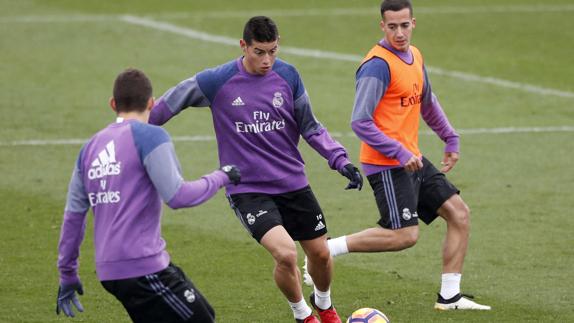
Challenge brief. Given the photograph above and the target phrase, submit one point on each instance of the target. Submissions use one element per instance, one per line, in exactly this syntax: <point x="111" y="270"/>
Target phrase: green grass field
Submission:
<point x="504" y="65"/>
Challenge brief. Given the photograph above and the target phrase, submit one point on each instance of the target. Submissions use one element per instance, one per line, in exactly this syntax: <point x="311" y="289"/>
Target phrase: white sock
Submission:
<point x="450" y="285"/>
<point x="338" y="246"/>
<point x="300" y="309"/>
<point x="322" y="299"/>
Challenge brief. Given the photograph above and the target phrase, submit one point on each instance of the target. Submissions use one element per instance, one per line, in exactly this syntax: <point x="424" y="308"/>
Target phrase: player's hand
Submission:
<point x="413" y="164"/>
<point x="67" y="297"/>
<point x="448" y="161"/>
<point x="232" y="173"/>
<point x="355" y="178"/>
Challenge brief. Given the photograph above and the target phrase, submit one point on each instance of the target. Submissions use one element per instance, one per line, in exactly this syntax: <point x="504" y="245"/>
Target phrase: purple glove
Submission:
<point x="67" y="295"/>
<point x="233" y="173"/>
<point x="355" y="178"/>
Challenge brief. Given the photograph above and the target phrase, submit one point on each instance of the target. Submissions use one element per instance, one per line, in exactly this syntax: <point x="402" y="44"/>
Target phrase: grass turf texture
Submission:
<point x="56" y="78"/>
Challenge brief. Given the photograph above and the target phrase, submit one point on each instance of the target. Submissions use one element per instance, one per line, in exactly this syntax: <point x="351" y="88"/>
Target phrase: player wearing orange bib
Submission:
<point x="392" y="92"/>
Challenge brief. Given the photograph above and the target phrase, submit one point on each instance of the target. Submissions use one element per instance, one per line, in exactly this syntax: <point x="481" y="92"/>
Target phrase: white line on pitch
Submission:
<point x="208" y="138"/>
<point x="194" y="34"/>
<point x="203" y="36"/>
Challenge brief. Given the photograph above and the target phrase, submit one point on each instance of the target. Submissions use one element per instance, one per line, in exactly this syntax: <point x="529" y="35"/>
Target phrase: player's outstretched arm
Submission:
<point x="163" y="168"/>
<point x="196" y="192"/>
<point x="186" y="94"/>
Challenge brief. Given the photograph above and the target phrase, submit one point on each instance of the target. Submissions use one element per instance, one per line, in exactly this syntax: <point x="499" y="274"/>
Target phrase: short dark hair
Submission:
<point x="395" y="5"/>
<point x="261" y="29"/>
<point x="132" y="90"/>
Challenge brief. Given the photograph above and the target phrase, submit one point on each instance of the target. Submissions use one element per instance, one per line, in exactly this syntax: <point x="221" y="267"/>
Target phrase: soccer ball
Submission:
<point x="368" y="315"/>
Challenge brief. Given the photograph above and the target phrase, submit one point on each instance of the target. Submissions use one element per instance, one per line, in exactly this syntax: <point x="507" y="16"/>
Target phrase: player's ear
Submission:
<point x="113" y="104"/>
<point x="243" y="45"/>
<point x="382" y="24"/>
<point x="150" y="103"/>
<point x="414" y="22"/>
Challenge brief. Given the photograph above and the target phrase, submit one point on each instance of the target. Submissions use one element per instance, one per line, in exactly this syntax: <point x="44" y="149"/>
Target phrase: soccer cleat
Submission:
<point x="309" y="319"/>
<point x="327" y="316"/>
<point x="459" y="302"/>
<point x="307" y="279"/>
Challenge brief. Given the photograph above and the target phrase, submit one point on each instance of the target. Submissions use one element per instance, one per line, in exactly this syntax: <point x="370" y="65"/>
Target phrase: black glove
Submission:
<point x="67" y="297"/>
<point x="355" y="178"/>
<point x="233" y="173"/>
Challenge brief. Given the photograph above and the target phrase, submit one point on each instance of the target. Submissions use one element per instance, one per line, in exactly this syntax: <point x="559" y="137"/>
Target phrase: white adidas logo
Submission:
<point x="106" y="156"/>
<point x="105" y="164"/>
<point x="320" y="226"/>
<point x="237" y="102"/>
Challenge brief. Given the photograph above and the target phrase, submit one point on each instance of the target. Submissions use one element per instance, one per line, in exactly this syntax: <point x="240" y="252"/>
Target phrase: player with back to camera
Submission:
<point x="392" y="91"/>
<point x="260" y="108"/>
<point x="123" y="173"/>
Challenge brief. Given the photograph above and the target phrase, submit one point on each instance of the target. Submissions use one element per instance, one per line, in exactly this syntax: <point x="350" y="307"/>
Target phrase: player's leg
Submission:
<point x="396" y="200"/>
<point x="286" y="273"/>
<point x="284" y="252"/>
<point x="320" y="265"/>
<point x="380" y="239"/>
<point x="438" y="197"/>
<point x="457" y="216"/>
<point x="304" y="220"/>
<point x="319" y="261"/>
<point x="260" y="216"/>
<point x="397" y="229"/>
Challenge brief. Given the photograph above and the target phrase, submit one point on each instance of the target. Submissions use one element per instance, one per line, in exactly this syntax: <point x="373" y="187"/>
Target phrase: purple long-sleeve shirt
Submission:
<point x="372" y="80"/>
<point x="123" y="173"/>
<point x="258" y="120"/>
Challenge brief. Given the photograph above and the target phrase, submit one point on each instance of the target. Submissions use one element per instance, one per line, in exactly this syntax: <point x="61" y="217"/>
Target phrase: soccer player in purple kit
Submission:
<point x="260" y="108"/>
<point x="123" y="173"/>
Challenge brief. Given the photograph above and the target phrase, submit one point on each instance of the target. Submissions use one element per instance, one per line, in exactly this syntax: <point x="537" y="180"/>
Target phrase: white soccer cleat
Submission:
<point x="307" y="279"/>
<point x="459" y="302"/>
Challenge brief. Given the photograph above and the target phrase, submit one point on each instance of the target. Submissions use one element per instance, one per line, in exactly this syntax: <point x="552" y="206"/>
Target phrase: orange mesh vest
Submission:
<point x="397" y="113"/>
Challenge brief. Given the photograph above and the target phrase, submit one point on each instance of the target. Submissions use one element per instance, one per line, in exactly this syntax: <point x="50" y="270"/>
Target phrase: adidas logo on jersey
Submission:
<point x="237" y="102"/>
<point x="320" y="226"/>
<point x="105" y="164"/>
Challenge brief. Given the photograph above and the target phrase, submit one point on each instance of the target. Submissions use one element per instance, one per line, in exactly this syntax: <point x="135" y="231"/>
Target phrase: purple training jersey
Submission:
<point x="123" y="173"/>
<point x="258" y="120"/>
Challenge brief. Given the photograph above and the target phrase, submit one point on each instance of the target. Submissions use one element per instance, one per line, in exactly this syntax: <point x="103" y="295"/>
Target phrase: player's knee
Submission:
<point x="320" y="256"/>
<point x="461" y="217"/>
<point x="409" y="236"/>
<point x="410" y="239"/>
<point x="286" y="258"/>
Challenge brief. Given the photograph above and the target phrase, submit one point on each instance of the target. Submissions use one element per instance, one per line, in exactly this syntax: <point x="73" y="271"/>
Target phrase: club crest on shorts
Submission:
<point x="251" y="218"/>
<point x="407" y="214"/>
<point x="277" y="100"/>
<point x="189" y="295"/>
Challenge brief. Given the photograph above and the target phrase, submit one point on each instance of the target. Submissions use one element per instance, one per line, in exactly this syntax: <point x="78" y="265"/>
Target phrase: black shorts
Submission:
<point x="165" y="296"/>
<point x="298" y="212"/>
<point x="403" y="197"/>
